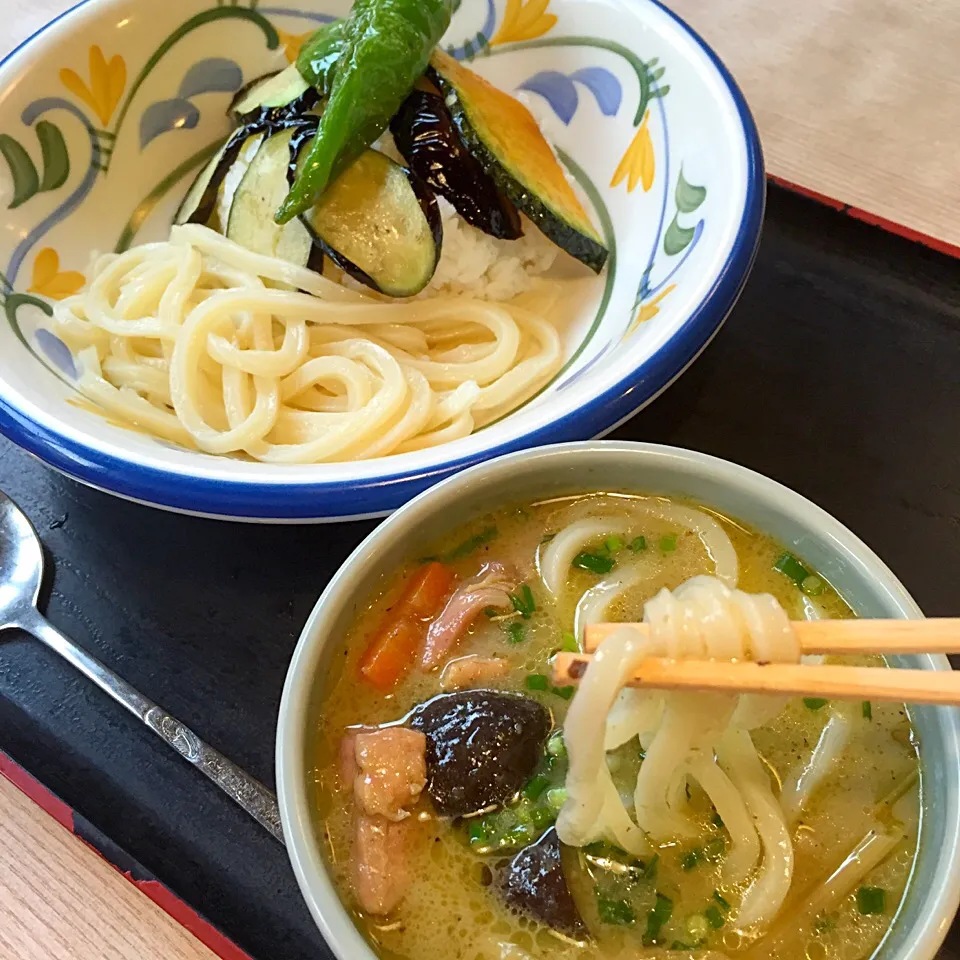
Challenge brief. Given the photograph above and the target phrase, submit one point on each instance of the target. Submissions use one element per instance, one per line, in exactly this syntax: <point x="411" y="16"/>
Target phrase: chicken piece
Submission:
<point x="392" y="771"/>
<point x="347" y="758"/>
<point x="491" y="587"/>
<point x="471" y="671"/>
<point x="380" y="863"/>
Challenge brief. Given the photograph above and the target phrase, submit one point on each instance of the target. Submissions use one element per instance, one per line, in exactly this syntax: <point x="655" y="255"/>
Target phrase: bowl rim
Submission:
<point x="336" y="500"/>
<point x="316" y="886"/>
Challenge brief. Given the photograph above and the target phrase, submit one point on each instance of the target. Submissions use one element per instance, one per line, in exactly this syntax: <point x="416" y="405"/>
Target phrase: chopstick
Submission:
<point x="941" y="635"/>
<point x="827" y="682"/>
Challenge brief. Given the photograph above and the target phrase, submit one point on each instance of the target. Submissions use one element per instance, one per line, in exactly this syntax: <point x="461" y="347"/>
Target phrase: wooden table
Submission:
<point x="884" y="139"/>
<point x="60" y="901"/>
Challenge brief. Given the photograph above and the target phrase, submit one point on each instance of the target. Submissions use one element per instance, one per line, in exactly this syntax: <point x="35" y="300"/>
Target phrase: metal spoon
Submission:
<point x="21" y="574"/>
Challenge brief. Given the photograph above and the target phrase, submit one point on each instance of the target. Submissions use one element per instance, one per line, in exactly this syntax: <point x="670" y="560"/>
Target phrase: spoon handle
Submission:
<point x="252" y="795"/>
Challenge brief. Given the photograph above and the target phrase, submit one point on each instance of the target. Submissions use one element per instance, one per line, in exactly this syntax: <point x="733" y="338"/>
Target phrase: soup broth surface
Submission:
<point x="868" y="803"/>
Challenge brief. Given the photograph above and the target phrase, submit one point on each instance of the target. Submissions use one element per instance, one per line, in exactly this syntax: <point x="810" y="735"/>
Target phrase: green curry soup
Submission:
<point x="857" y="824"/>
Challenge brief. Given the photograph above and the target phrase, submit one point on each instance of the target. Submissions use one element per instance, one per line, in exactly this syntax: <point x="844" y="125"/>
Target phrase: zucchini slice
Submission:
<point x="273" y="97"/>
<point x="503" y="135"/>
<point x="379" y="223"/>
<point x="200" y="203"/>
<point x="424" y="133"/>
<point x="261" y="191"/>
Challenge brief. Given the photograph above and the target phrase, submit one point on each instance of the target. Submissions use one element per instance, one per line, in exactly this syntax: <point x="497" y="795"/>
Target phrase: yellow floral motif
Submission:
<point x="524" y="21"/>
<point x="49" y="281"/>
<point x="107" y="83"/>
<point x="637" y="164"/>
<point x="649" y="310"/>
<point x="292" y="42"/>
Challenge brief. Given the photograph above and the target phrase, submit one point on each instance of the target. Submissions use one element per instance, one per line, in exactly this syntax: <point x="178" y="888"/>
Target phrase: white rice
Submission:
<point x="473" y="263"/>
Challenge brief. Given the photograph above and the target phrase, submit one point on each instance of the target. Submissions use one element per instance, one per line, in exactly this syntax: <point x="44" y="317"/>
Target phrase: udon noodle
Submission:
<point x="206" y="344"/>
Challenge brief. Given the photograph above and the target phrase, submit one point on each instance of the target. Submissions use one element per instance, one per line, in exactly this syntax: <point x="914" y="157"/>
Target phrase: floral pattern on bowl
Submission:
<point x="119" y="119"/>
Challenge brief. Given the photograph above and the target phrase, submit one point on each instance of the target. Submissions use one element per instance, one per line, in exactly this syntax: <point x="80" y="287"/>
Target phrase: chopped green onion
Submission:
<point x="569" y="643"/>
<point x="523" y="810"/>
<point x="565" y="692"/>
<point x="516" y="633"/>
<point x="594" y="562"/>
<point x="542" y="818"/>
<point x="715" y="849"/>
<point x="714" y="917"/>
<point x="680" y="945"/>
<point x="477" y="833"/>
<point x="556" y="798"/>
<point x="698" y="926"/>
<point x="537" y="681"/>
<point x="501" y="821"/>
<point x="867" y="710"/>
<point x="521" y="834"/>
<point x="656" y="918"/>
<point x="491" y="612"/>
<point x="812" y="586"/>
<point x="668" y="543"/>
<point x="814" y="703"/>
<point x="617" y="912"/>
<point x="535" y="789"/>
<point x="638" y="543"/>
<point x="720" y="899"/>
<point x="650" y="870"/>
<point x="470" y="544"/>
<point x="824" y="923"/>
<point x="690" y="860"/>
<point x="555" y="745"/>
<point x="613" y="544"/>
<point x="523" y="602"/>
<point x="871" y="900"/>
<point x="716" y="821"/>
<point x="791" y="567"/>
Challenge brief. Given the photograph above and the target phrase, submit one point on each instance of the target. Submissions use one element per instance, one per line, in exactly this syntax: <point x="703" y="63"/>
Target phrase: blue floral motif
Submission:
<point x="57" y="352"/>
<point x="480" y="43"/>
<point x="214" y="75"/>
<point x="167" y="115"/>
<point x="559" y="90"/>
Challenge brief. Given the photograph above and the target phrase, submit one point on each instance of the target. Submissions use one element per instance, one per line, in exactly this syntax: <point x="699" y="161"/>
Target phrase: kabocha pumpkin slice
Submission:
<point x="504" y="136"/>
<point x="379" y="223"/>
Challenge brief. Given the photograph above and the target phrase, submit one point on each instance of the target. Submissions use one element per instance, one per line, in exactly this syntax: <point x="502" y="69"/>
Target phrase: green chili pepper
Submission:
<point x="320" y="54"/>
<point x="386" y="49"/>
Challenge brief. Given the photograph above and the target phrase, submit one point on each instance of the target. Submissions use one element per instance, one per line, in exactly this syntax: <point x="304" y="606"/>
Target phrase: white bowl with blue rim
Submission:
<point x="932" y="895"/>
<point x="107" y="112"/>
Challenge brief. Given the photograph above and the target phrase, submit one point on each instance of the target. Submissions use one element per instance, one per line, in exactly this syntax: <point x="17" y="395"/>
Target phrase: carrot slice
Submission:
<point x="392" y="652"/>
<point x="427" y="591"/>
<point x="396" y="643"/>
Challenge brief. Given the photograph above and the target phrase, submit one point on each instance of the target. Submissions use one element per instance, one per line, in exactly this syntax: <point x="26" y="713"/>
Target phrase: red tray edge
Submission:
<point x="873" y="219"/>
